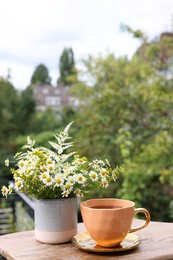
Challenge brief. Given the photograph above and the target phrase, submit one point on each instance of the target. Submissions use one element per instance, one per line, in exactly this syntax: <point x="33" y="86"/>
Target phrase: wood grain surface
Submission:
<point x="157" y="243"/>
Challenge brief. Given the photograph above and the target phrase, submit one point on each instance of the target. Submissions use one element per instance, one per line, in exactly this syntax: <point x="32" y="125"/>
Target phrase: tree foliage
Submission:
<point x="41" y="75"/>
<point x="8" y="107"/>
<point x="127" y="117"/>
<point x="44" y="121"/>
<point x="67" y="70"/>
<point x="25" y="111"/>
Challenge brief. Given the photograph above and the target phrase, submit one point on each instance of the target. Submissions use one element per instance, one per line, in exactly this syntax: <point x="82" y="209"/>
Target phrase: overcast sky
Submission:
<point x="37" y="31"/>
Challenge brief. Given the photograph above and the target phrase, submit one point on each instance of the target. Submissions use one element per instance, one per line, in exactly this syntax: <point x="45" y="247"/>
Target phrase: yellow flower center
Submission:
<point x="50" y="168"/>
<point x="49" y="161"/>
<point x="4" y="189"/>
<point x="104" y="172"/>
<point x="21" y="164"/>
<point x="67" y="186"/>
<point x="18" y="184"/>
<point x="28" y="170"/>
<point x="58" y="181"/>
<point x="48" y="179"/>
<point x="43" y="175"/>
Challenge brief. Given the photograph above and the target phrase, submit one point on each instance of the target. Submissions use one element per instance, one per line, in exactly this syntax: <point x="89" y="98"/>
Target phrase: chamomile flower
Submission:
<point x="50" y="167"/>
<point x="48" y="180"/>
<point x="80" y="178"/>
<point x="21" y="163"/>
<point x="93" y="175"/>
<point x="49" y="161"/>
<point x="7" y="162"/>
<point x="104" y="172"/>
<point x="29" y="170"/>
<point x="4" y="191"/>
<point x="78" y="192"/>
<point x="43" y="176"/>
<point x="104" y="182"/>
<point x="67" y="186"/>
<point x="18" y="184"/>
<point x="65" y="193"/>
<point x="59" y="181"/>
<point x="43" y="168"/>
<point x="72" y="179"/>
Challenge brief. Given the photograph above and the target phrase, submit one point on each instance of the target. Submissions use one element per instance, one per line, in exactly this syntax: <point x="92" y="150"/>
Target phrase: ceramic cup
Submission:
<point x="108" y="221"/>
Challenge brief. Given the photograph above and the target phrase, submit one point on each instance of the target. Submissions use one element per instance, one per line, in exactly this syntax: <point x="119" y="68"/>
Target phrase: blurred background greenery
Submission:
<point x="124" y="114"/>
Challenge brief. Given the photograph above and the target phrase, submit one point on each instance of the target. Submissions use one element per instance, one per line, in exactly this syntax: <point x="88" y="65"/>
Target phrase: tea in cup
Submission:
<point x="108" y="221"/>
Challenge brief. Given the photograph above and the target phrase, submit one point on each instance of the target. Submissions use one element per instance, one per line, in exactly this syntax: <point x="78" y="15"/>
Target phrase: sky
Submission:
<point x="37" y="31"/>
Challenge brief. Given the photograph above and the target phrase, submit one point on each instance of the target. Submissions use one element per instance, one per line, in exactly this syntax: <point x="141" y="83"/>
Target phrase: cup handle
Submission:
<point x="146" y="222"/>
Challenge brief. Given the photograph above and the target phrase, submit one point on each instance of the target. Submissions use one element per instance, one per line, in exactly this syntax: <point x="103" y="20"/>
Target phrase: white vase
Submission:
<point x="55" y="220"/>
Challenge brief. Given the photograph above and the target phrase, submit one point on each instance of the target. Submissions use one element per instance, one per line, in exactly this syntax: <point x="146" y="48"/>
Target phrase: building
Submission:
<point x="48" y="96"/>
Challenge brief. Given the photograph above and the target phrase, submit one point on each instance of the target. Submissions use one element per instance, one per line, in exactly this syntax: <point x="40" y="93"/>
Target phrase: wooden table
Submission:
<point x="157" y="243"/>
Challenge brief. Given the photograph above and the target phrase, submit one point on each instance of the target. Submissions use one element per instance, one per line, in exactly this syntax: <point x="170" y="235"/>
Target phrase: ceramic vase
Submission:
<point x="55" y="220"/>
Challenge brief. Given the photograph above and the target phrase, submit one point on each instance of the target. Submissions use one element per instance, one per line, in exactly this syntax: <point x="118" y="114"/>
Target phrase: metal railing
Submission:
<point x="18" y="215"/>
<point x="24" y="213"/>
<point x="6" y="220"/>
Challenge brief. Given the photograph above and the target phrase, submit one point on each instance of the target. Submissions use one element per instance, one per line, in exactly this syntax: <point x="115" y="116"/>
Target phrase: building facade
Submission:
<point x="56" y="98"/>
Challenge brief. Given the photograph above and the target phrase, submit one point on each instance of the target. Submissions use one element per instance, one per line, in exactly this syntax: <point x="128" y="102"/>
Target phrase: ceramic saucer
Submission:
<point x="85" y="242"/>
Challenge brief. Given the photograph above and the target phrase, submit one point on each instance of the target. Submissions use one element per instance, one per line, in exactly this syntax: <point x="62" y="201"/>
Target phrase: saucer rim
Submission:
<point x="101" y="249"/>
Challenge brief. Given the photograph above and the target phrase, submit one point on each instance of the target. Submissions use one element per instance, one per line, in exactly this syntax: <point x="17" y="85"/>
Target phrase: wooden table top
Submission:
<point x="157" y="243"/>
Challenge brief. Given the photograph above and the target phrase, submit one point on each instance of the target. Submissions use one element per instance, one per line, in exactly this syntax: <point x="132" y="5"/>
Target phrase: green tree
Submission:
<point x="8" y="104"/>
<point x="126" y="116"/>
<point x="67" y="70"/>
<point x="41" y="75"/>
<point x="16" y="110"/>
<point x="25" y="111"/>
<point x="45" y="121"/>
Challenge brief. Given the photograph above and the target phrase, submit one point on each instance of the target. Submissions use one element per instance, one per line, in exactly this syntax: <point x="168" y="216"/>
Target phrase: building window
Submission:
<point x="53" y="101"/>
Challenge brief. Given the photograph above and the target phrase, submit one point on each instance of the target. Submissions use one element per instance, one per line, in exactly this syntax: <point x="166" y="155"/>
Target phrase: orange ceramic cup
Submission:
<point x="108" y="221"/>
